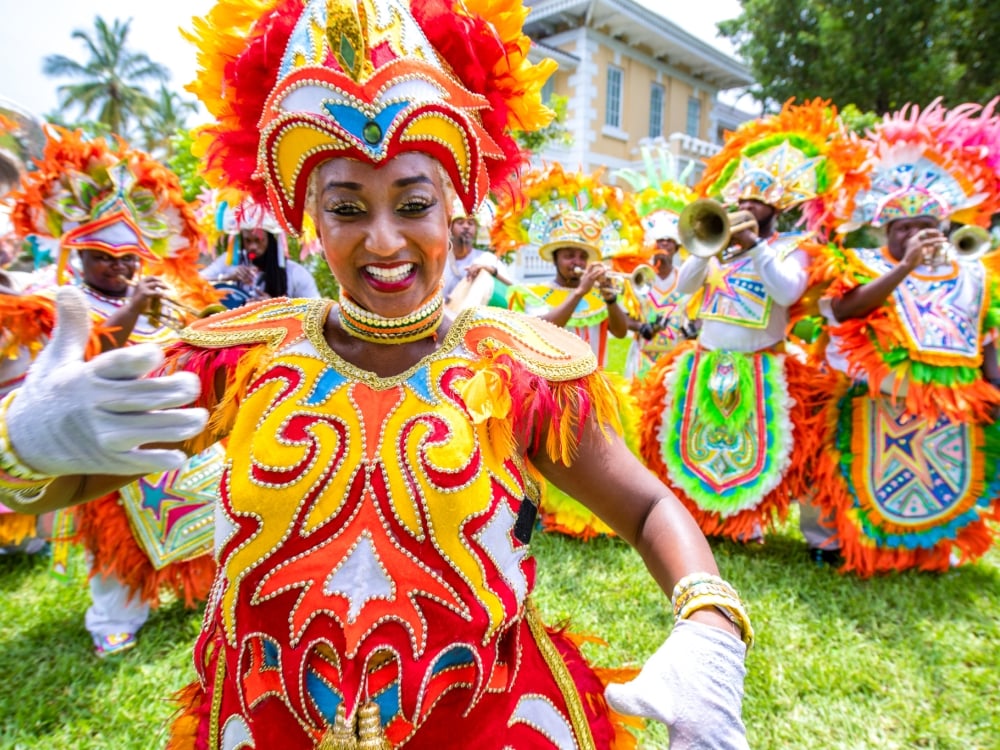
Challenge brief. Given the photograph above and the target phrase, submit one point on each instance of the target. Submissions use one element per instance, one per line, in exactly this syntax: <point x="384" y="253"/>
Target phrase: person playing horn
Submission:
<point x="912" y="331"/>
<point x="122" y="213"/>
<point x="383" y="464"/>
<point x="729" y="420"/>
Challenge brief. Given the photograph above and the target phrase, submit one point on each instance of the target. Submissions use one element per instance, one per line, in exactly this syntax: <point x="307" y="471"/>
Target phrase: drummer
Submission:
<point x="260" y="267"/>
<point x="465" y="261"/>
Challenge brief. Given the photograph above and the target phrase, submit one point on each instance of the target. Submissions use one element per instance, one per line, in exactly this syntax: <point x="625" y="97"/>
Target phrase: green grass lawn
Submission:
<point x="902" y="661"/>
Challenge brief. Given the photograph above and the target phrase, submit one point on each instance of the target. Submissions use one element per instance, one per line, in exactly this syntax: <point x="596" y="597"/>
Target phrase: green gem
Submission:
<point x="347" y="52"/>
<point x="371" y="132"/>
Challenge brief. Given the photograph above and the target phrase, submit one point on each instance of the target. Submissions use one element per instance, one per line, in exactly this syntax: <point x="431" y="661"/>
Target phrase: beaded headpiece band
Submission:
<point x="801" y="156"/>
<point x="933" y="162"/>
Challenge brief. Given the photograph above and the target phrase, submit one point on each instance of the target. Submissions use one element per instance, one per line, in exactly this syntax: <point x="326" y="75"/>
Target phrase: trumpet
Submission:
<point x="169" y="312"/>
<point x="706" y="229"/>
<point x="965" y="244"/>
<point x="640" y="278"/>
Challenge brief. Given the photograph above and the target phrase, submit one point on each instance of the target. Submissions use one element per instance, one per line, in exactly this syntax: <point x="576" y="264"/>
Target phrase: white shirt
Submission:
<point x="456" y="268"/>
<point x="784" y="280"/>
<point x="300" y="282"/>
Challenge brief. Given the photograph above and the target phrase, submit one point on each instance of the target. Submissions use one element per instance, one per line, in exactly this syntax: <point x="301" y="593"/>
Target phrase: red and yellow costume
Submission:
<point x="373" y="534"/>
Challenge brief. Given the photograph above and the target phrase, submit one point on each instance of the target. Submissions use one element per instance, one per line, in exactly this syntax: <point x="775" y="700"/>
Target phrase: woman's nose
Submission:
<point x="384" y="238"/>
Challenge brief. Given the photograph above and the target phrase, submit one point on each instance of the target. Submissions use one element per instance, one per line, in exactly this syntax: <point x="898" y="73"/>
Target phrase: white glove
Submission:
<point x="76" y="417"/>
<point x="694" y="685"/>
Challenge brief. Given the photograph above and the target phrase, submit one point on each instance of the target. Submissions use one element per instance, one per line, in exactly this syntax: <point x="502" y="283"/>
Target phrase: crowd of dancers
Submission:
<point x="352" y="484"/>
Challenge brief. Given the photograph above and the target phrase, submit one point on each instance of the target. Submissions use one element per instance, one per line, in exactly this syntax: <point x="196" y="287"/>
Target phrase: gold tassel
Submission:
<point x="340" y="736"/>
<point x="370" y="729"/>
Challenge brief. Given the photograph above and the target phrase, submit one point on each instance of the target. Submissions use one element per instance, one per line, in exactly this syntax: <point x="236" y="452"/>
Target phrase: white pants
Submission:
<point x="113" y="610"/>
<point x="818" y="530"/>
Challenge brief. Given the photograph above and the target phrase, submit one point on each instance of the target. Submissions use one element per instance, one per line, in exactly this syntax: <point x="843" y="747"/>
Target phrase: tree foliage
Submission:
<point x="875" y="54"/>
<point x="109" y="81"/>
<point x="554" y="132"/>
<point x="164" y="121"/>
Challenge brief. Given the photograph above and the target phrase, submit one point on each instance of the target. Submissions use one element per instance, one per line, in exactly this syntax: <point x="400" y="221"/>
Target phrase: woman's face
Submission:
<point x="384" y="230"/>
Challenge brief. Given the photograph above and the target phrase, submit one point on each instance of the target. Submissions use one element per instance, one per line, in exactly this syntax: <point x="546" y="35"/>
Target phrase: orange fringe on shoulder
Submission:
<point x="809" y="387"/>
<point x="102" y="527"/>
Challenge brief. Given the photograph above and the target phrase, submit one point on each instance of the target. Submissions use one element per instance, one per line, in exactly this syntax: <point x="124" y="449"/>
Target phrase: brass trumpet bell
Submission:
<point x="640" y="279"/>
<point x="165" y="311"/>
<point x="970" y="242"/>
<point x="706" y="228"/>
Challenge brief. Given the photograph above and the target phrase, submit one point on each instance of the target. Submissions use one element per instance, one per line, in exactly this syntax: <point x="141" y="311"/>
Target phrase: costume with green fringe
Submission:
<point x="731" y="422"/>
<point x="909" y="468"/>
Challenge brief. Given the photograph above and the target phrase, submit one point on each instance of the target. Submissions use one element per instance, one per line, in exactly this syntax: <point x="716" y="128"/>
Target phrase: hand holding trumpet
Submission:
<point x="924" y="248"/>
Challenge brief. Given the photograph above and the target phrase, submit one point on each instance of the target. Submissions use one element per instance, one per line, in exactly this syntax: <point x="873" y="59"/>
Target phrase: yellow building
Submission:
<point x="630" y="76"/>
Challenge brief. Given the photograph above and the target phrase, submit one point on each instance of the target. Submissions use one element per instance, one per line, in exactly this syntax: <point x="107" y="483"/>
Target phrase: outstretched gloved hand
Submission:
<point x="76" y="417"/>
<point x="694" y="685"/>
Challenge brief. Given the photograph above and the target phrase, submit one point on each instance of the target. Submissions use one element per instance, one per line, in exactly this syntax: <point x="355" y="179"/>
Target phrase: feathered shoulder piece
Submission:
<point x="556" y="207"/>
<point x="801" y="156"/>
<point x="100" y="194"/>
<point x="293" y="83"/>
<point x="931" y="162"/>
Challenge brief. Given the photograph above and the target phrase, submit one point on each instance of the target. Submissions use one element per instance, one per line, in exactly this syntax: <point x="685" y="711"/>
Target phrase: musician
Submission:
<point x="133" y="233"/>
<point x="572" y="220"/>
<point x="912" y="328"/>
<point x="465" y="261"/>
<point x="728" y="420"/>
<point x="264" y="269"/>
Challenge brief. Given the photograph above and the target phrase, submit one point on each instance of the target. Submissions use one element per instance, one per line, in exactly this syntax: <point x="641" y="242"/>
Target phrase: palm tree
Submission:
<point x="163" y="121"/>
<point x="110" y="80"/>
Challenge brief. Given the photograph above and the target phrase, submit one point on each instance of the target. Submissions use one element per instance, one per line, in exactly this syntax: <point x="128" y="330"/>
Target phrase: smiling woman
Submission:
<point x="385" y="459"/>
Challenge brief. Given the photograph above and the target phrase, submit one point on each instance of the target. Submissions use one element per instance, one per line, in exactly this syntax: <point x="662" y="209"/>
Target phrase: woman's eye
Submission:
<point x="415" y="206"/>
<point x="344" y="209"/>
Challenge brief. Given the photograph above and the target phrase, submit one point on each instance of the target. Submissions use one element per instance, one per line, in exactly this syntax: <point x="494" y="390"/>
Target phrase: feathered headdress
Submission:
<point x="803" y="155"/>
<point x="934" y="162"/>
<point x="293" y="83"/>
<point x="100" y="194"/>
<point x="555" y="209"/>
<point x="660" y="195"/>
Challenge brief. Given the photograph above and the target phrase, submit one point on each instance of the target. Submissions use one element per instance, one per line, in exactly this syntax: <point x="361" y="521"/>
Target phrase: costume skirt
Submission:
<point x="906" y="491"/>
<point x="734" y="434"/>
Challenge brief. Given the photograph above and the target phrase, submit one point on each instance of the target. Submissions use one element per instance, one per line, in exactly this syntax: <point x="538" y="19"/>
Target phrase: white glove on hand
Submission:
<point x="694" y="685"/>
<point x="76" y="417"/>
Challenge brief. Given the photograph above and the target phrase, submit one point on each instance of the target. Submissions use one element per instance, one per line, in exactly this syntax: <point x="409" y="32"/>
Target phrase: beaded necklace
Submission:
<point x="368" y="326"/>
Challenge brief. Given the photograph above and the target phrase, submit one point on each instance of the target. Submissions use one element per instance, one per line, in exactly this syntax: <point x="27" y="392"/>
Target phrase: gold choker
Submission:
<point x="368" y="326"/>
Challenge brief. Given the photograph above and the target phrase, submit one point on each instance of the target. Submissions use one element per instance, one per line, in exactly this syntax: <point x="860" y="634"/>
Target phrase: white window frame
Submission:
<point x="693" y="117"/>
<point x="614" y="99"/>
<point x="657" y="98"/>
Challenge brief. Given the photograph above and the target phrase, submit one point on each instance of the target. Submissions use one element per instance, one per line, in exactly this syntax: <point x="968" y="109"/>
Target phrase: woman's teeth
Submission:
<point x="394" y="273"/>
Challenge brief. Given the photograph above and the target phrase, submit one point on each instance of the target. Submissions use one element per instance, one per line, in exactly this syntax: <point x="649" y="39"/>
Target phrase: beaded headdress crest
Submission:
<point x="293" y="83"/>
<point x="935" y="162"/>
<point x="803" y="155"/>
<point x="660" y="194"/>
<point x="100" y="194"/>
<point x="556" y="209"/>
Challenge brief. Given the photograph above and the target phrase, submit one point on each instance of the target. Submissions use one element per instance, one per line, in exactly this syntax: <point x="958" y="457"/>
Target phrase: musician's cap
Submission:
<point x="660" y="194"/>
<point x="528" y="220"/>
<point x="574" y="229"/>
<point x="801" y="156"/>
<point x="100" y="194"/>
